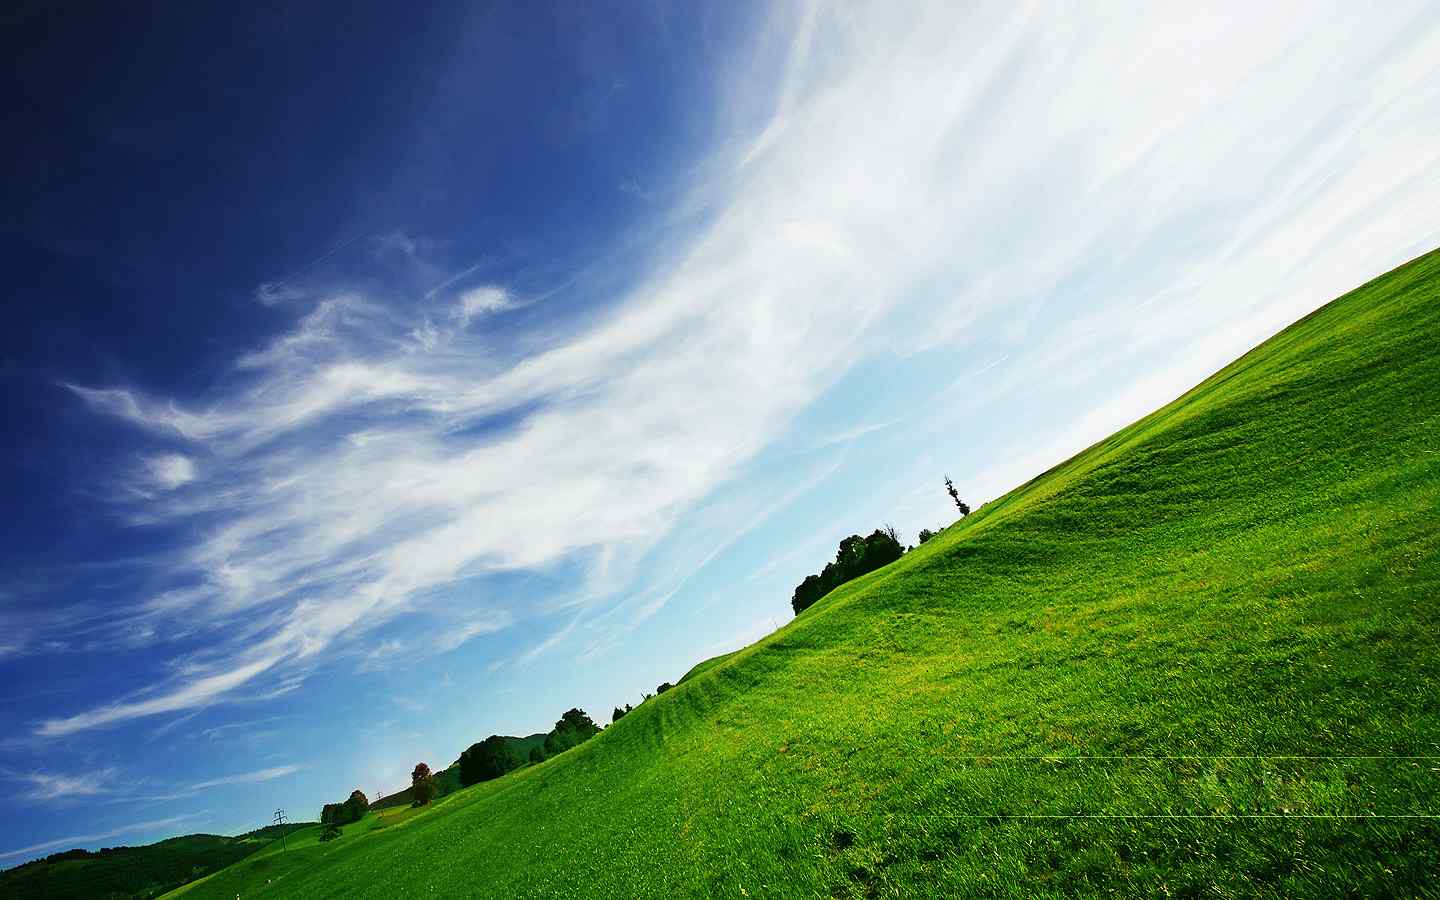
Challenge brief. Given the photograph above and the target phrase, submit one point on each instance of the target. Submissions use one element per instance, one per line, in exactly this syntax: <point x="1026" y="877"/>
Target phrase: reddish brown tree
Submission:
<point x="422" y="785"/>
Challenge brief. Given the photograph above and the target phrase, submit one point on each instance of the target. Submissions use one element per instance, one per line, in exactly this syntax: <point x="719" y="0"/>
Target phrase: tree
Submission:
<point x="926" y="534"/>
<point x="488" y="759"/>
<point x="573" y="728"/>
<point x="806" y="593"/>
<point x="955" y="495"/>
<point x="664" y="687"/>
<point x="617" y="715"/>
<point x="422" y="785"/>
<point x="537" y="754"/>
<point x="330" y="832"/>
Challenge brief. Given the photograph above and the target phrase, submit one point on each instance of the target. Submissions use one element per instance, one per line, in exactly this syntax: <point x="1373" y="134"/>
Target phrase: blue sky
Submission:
<point x="374" y="383"/>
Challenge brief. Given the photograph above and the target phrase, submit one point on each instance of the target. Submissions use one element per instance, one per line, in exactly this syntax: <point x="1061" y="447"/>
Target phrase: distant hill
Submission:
<point x="1197" y="659"/>
<point x="134" y="873"/>
<point x="447" y="780"/>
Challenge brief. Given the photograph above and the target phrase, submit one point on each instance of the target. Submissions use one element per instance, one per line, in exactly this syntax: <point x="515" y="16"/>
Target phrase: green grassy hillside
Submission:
<point x="1198" y="659"/>
<point x="133" y="872"/>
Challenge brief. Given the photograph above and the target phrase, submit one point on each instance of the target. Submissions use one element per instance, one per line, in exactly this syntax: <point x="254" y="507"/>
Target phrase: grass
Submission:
<point x="1197" y="659"/>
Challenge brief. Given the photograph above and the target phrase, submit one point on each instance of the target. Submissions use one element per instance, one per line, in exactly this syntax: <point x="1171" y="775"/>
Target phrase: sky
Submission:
<point x="373" y="383"/>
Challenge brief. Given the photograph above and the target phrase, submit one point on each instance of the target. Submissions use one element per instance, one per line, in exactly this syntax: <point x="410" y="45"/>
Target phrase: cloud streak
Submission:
<point x="255" y="777"/>
<point x="48" y="786"/>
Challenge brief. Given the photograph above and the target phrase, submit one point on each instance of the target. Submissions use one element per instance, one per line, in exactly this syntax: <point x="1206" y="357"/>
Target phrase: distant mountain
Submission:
<point x="134" y="873"/>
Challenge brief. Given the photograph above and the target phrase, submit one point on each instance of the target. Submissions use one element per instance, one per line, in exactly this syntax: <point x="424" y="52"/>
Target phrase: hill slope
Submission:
<point x="1198" y="657"/>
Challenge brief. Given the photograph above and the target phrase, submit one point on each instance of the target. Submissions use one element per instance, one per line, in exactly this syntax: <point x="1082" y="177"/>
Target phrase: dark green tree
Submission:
<point x="574" y="728"/>
<point x="537" y="754"/>
<point x="488" y="759"/>
<point x="806" y="593"/>
<point x="664" y="687"/>
<point x="955" y="495"/>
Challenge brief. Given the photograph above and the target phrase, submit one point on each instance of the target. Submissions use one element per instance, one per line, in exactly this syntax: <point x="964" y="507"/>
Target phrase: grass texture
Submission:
<point x="1197" y="659"/>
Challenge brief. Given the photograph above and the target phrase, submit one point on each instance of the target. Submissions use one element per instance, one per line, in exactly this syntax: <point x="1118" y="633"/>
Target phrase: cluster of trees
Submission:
<point x="488" y="759"/>
<point x="497" y="754"/>
<point x="857" y="555"/>
<point x="352" y="810"/>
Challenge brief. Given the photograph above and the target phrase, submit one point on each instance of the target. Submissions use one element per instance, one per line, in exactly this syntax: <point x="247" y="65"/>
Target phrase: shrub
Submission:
<point x="664" y="687"/>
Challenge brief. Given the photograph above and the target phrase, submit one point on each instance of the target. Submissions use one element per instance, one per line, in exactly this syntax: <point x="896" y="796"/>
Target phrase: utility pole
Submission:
<point x="280" y="820"/>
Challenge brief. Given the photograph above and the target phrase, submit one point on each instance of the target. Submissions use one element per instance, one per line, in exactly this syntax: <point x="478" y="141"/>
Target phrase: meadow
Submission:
<point x="1197" y="659"/>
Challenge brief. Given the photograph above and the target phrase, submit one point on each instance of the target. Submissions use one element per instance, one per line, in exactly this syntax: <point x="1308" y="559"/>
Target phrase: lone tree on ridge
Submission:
<point x="955" y="495"/>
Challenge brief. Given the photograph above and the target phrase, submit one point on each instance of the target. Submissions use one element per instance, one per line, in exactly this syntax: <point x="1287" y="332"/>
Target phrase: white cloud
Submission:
<point x="483" y="301"/>
<point x="170" y="470"/>
<point x="1066" y="192"/>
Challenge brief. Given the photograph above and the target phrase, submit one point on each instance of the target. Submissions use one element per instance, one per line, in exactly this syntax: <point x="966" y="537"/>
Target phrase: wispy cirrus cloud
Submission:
<point x="50" y="786"/>
<point x="195" y="692"/>
<point x="1081" y="195"/>
<point x="254" y="777"/>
